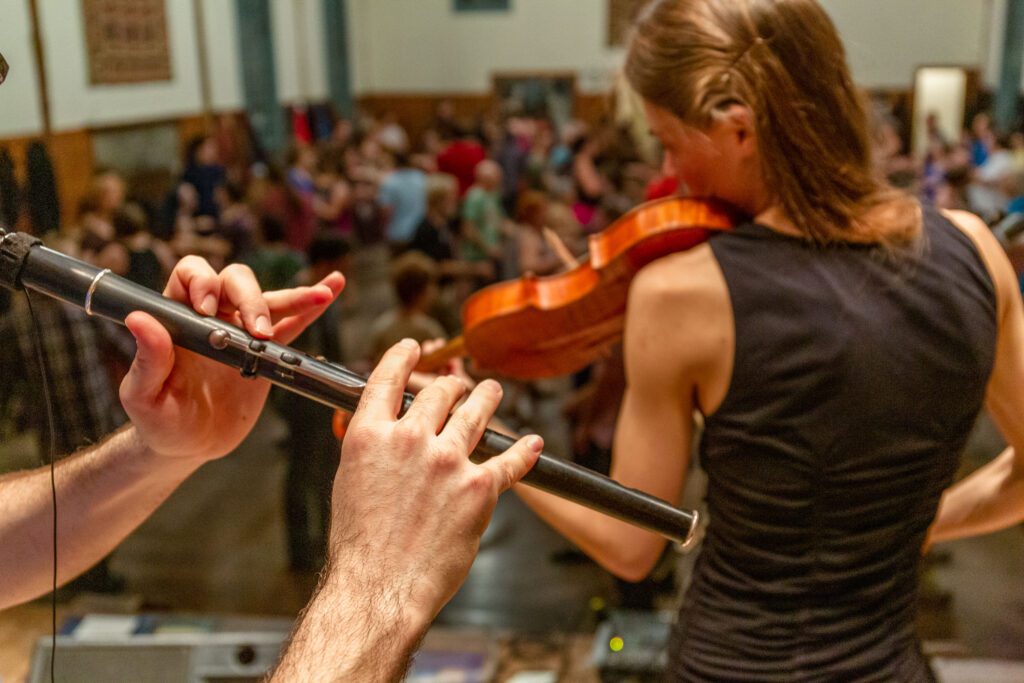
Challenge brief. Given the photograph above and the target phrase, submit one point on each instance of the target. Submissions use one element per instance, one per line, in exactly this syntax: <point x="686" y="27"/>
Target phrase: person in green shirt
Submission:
<point x="275" y="264"/>
<point x="483" y="215"/>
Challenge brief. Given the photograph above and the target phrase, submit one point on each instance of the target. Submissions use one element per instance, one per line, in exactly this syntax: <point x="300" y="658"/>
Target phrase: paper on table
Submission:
<point x="534" y="677"/>
<point x="105" y="626"/>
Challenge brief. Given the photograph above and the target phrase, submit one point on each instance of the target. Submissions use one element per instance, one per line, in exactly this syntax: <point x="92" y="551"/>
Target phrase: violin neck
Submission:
<point x="558" y="246"/>
<point x="433" y="362"/>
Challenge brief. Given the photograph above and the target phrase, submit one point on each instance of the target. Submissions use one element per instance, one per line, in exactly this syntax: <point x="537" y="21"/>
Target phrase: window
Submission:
<point x="482" y="5"/>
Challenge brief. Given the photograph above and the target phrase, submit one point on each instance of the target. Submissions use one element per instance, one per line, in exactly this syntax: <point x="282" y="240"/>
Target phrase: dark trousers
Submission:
<point x="313" y="454"/>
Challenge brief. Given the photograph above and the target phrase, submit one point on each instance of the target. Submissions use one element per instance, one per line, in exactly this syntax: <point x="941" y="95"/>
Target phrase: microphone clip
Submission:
<point x="14" y="248"/>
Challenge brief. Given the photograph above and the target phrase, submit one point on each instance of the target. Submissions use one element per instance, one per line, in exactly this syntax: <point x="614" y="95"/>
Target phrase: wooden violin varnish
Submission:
<point x="535" y="327"/>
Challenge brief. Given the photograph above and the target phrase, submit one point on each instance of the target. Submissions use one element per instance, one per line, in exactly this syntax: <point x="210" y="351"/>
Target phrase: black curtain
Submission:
<point x="41" y="190"/>
<point x="10" y="199"/>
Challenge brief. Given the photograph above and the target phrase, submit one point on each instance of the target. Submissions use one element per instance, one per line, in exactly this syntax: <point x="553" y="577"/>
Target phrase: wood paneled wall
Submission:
<point x="191" y="126"/>
<point x="73" y="162"/>
<point x="416" y="111"/>
<point x="71" y="153"/>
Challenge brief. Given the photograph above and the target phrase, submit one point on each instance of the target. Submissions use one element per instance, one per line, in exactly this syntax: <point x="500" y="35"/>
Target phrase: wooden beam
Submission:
<point x="37" y="44"/>
<point x="203" y="59"/>
<point x="1008" y="95"/>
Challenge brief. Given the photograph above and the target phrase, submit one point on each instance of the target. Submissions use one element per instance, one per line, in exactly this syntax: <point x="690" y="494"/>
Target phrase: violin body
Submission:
<point x="537" y="327"/>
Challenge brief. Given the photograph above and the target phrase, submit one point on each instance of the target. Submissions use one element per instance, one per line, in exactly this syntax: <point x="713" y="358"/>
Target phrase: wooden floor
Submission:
<point x="985" y="575"/>
<point x="217" y="546"/>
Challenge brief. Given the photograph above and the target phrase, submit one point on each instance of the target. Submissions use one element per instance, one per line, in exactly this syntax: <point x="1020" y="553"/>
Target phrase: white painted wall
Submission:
<point x="360" y="16"/>
<point x="220" y="21"/>
<point x="75" y="103"/>
<point x="299" y="57"/>
<point x="940" y="91"/>
<point x="286" y="64"/>
<point x="315" y="54"/>
<point x="423" y="46"/>
<point x="886" y="40"/>
<point x="19" y="99"/>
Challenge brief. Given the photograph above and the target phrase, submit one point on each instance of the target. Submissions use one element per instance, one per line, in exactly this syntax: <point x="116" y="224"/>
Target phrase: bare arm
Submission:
<point x="335" y="204"/>
<point x="992" y="498"/>
<point x="676" y="333"/>
<point x="408" y="511"/>
<point x="185" y="410"/>
<point x="351" y="630"/>
<point x="586" y="173"/>
<point x="103" y="493"/>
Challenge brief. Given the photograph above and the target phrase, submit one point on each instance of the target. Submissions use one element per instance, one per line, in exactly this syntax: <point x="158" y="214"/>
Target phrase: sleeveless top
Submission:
<point x="858" y="374"/>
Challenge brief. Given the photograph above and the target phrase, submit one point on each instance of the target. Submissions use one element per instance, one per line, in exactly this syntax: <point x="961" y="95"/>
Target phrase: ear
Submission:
<point x="735" y="124"/>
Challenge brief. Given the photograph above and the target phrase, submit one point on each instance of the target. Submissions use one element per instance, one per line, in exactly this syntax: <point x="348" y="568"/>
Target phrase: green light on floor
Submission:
<point x="616" y="644"/>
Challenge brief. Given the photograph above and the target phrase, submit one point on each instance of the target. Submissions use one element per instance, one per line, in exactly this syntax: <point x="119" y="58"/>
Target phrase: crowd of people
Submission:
<point x="479" y="201"/>
<point x="417" y="225"/>
<point x="415" y="228"/>
<point x="981" y="171"/>
<point x="839" y="347"/>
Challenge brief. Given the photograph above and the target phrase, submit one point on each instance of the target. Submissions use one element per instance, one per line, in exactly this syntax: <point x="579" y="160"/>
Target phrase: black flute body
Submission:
<point x="24" y="262"/>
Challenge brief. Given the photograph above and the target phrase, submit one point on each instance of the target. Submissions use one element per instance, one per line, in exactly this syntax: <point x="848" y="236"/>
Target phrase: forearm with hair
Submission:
<point x="103" y="494"/>
<point x="354" y="629"/>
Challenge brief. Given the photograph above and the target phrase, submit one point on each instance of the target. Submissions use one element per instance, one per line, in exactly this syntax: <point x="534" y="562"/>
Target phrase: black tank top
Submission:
<point x="858" y="374"/>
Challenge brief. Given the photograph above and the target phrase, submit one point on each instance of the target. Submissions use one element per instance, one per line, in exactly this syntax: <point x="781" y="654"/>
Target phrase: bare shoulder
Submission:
<point x="991" y="252"/>
<point x="680" y="292"/>
<point x="978" y="231"/>
<point x="971" y="225"/>
<point x="679" y="320"/>
<point x="690" y="276"/>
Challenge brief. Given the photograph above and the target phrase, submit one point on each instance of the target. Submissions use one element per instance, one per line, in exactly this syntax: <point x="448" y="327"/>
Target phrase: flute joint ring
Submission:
<point x="695" y="535"/>
<point x="92" y="290"/>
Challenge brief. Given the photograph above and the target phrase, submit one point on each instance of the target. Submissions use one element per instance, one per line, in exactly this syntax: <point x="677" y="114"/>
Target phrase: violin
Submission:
<point x="536" y="327"/>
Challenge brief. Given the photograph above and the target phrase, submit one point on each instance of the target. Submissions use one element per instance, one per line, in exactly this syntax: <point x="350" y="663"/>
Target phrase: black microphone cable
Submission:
<point x="41" y="360"/>
<point x="4" y="67"/>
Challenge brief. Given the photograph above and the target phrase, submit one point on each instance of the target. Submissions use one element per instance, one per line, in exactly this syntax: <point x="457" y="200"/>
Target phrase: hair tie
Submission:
<point x="756" y="43"/>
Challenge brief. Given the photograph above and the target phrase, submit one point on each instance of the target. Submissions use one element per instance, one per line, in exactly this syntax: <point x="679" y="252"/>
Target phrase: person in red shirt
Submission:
<point x="459" y="158"/>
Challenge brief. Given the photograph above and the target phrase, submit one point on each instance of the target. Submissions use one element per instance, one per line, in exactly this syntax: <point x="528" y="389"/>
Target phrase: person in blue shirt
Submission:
<point x="403" y="194"/>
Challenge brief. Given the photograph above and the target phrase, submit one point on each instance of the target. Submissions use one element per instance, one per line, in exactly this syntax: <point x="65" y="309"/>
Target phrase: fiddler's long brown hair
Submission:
<point x="784" y="60"/>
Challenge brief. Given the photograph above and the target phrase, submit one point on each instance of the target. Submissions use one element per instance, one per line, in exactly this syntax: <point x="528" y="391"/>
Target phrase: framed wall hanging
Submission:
<point x="126" y="41"/>
<point x="482" y="5"/>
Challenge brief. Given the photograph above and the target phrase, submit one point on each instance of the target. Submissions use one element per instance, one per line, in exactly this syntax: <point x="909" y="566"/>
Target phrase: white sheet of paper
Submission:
<point x="106" y="626"/>
<point x="534" y="677"/>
